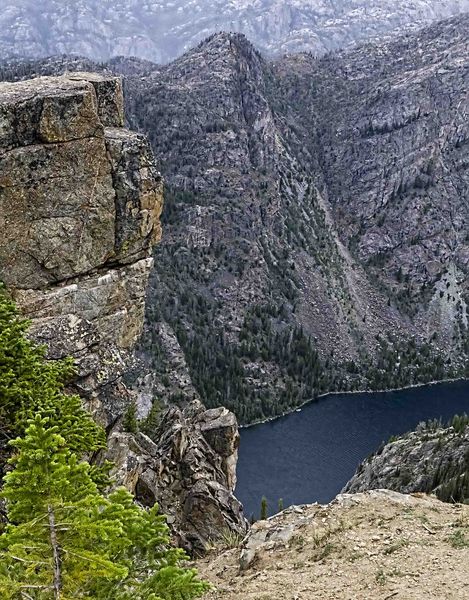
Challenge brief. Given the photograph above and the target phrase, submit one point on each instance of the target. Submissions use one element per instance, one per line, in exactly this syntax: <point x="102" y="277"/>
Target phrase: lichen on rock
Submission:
<point x="80" y="201"/>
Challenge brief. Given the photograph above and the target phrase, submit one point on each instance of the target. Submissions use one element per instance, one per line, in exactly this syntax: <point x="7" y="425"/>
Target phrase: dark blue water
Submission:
<point x="309" y="456"/>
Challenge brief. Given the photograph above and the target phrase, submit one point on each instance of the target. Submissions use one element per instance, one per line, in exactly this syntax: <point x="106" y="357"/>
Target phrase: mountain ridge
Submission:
<point x="161" y="31"/>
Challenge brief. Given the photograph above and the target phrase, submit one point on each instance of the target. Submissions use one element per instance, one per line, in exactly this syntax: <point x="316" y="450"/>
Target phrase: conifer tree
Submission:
<point x="30" y="384"/>
<point x="55" y="541"/>
<point x="66" y="540"/>
<point x="264" y="508"/>
<point x="150" y="424"/>
<point x="130" y="423"/>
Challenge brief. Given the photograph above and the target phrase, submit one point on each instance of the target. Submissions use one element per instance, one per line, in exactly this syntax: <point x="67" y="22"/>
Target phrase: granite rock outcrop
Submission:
<point x="80" y="200"/>
<point x="432" y="459"/>
<point x="190" y="470"/>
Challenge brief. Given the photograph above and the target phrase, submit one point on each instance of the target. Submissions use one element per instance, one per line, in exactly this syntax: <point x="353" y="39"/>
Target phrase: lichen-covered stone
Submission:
<point x="138" y="207"/>
<point x="80" y="201"/>
<point x="109" y="96"/>
<point x="57" y="212"/>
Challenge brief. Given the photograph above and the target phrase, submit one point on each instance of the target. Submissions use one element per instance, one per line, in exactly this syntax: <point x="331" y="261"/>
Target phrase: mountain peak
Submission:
<point x="227" y="43"/>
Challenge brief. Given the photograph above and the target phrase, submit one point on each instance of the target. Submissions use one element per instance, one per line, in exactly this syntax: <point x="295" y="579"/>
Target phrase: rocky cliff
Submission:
<point x="377" y="545"/>
<point x="80" y="207"/>
<point x="432" y="459"/>
<point x="190" y="470"/>
<point x="80" y="201"/>
<point x="160" y="31"/>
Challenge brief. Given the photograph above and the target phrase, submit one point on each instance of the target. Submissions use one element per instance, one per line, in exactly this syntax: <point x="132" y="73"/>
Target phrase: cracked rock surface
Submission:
<point x="190" y="471"/>
<point x="80" y="200"/>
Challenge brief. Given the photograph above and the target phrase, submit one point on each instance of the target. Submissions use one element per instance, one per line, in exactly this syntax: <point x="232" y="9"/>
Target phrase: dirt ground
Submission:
<point x="373" y="546"/>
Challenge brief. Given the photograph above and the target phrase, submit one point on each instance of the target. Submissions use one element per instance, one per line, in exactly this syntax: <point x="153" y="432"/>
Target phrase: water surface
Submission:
<point x="309" y="456"/>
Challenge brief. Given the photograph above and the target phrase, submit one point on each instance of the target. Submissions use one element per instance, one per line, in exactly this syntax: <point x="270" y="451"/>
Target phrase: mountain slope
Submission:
<point x="160" y="31"/>
<point x="432" y="459"/>
<point x="387" y="125"/>
<point x="316" y="224"/>
<point x="315" y="221"/>
<point x="252" y="267"/>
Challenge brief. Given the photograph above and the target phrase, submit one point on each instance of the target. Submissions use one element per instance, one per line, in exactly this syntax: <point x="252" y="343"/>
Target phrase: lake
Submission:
<point x="309" y="456"/>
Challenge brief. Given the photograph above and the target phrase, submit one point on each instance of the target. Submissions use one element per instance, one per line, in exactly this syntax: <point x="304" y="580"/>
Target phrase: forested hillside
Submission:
<point x="315" y="219"/>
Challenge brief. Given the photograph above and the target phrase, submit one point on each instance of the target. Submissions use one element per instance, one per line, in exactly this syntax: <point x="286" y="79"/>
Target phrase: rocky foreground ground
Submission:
<point x="370" y="546"/>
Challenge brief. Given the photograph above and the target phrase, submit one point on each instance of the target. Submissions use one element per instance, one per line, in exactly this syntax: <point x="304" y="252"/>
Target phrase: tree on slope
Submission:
<point x="30" y="384"/>
<point x="65" y="539"/>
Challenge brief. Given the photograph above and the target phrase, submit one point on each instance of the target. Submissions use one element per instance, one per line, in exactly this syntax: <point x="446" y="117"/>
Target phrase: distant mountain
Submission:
<point x="316" y="218"/>
<point x="316" y="223"/>
<point x="160" y="31"/>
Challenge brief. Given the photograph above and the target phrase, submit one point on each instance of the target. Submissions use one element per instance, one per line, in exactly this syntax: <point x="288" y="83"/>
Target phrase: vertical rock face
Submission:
<point x="80" y="200"/>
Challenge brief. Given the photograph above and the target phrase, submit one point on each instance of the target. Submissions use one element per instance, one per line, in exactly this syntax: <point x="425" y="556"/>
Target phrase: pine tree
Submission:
<point x="56" y="540"/>
<point x="264" y="508"/>
<point x="150" y="424"/>
<point x="30" y="384"/>
<point x="130" y="423"/>
<point x="66" y="540"/>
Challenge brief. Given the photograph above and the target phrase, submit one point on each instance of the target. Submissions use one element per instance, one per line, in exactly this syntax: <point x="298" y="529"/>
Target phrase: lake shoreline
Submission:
<point x="399" y="389"/>
<point x="310" y="456"/>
